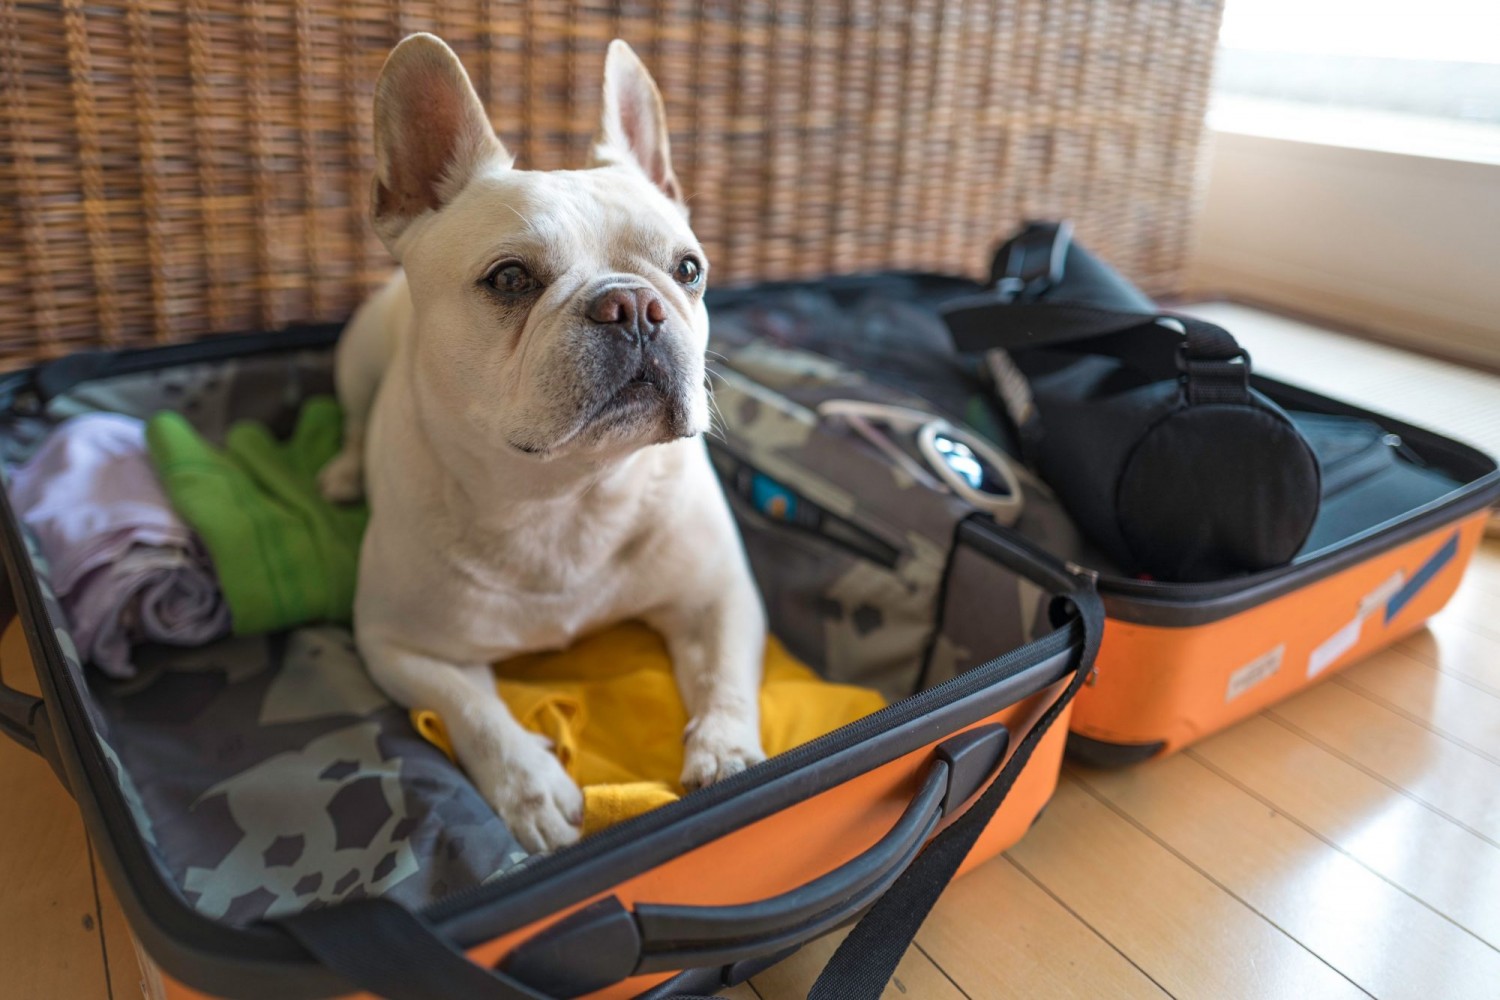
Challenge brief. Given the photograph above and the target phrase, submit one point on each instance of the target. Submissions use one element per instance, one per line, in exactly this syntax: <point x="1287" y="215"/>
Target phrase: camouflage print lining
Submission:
<point x="276" y="776"/>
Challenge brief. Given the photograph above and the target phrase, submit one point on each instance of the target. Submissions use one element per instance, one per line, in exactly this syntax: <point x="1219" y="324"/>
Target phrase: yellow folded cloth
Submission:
<point x="610" y="707"/>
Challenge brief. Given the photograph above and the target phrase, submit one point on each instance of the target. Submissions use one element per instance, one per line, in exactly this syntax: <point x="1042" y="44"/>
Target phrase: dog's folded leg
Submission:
<point x="364" y="351"/>
<point x="513" y="768"/>
<point x="342" y="480"/>
<point x="717" y="651"/>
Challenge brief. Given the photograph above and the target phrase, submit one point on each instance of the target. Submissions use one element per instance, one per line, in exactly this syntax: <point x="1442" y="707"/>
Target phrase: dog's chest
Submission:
<point x="474" y="583"/>
<point x="518" y="591"/>
<point x="505" y="618"/>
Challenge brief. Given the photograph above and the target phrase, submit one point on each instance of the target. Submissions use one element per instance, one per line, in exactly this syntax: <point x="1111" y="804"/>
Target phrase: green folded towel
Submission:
<point x="284" y="555"/>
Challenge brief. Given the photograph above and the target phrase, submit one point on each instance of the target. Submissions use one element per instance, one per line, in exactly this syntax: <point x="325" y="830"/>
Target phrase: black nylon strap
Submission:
<point x="1213" y="365"/>
<point x="983" y="322"/>
<point x="1049" y="292"/>
<point x="1216" y="369"/>
<point x="867" y="958"/>
<point x="386" y="949"/>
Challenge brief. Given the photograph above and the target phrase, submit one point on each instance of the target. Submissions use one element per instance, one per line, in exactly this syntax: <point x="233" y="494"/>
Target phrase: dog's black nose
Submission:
<point x="636" y="311"/>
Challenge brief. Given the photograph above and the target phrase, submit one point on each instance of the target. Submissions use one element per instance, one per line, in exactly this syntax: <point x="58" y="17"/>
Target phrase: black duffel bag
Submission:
<point x="1144" y="423"/>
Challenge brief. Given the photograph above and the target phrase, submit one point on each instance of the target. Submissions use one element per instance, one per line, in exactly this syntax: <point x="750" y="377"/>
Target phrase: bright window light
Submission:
<point x="1420" y="78"/>
<point x="1438" y="30"/>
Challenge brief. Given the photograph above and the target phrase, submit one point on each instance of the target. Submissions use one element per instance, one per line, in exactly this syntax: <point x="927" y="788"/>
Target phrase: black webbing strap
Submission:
<point x="986" y="321"/>
<point x="867" y="958"/>
<point x="1213" y="365"/>
<point x="386" y="949"/>
<point x="1048" y="292"/>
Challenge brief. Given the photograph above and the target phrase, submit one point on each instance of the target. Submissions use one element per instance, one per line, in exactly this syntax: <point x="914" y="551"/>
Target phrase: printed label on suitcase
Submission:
<point x="1335" y="646"/>
<point x="1254" y="672"/>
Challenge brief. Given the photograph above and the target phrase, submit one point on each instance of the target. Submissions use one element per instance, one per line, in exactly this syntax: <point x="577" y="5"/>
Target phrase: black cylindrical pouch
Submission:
<point x="1144" y="424"/>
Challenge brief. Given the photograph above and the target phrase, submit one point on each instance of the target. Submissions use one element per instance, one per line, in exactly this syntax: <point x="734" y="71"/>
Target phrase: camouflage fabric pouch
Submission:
<point x="863" y="567"/>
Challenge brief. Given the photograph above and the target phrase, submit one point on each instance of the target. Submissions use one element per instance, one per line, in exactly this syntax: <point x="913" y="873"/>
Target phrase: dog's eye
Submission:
<point x="689" y="271"/>
<point x="513" y="279"/>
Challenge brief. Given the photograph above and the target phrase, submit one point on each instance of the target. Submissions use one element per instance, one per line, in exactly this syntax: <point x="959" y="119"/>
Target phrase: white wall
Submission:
<point x="1405" y="246"/>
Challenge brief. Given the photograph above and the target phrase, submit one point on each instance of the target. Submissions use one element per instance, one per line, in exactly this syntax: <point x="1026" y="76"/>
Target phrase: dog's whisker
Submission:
<point x="716" y="427"/>
<point x="716" y="424"/>
<point x="525" y="221"/>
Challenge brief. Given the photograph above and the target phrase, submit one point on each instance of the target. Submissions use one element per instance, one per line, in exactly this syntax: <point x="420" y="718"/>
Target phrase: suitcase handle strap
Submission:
<point x="867" y="958"/>
<point x="383" y="947"/>
<point x="1034" y="301"/>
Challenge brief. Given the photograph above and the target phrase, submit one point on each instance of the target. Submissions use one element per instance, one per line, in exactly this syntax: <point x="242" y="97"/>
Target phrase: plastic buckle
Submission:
<point x="1224" y="379"/>
<point x="1187" y="364"/>
<point x="1033" y="261"/>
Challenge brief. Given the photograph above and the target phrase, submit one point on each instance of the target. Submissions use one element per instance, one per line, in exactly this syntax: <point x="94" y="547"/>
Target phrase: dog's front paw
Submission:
<point x="717" y="747"/>
<point x="534" y="796"/>
<point x="342" y="480"/>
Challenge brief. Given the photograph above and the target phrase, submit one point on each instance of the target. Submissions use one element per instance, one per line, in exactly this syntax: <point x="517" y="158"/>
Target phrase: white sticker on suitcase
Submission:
<point x="1335" y="646"/>
<point x="1254" y="672"/>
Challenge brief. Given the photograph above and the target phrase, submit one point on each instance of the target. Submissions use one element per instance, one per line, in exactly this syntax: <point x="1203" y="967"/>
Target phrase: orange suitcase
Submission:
<point x="274" y="827"/>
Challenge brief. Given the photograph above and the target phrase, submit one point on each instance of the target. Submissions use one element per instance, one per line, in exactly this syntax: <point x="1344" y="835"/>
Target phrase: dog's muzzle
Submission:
<point x="638" y="369"/>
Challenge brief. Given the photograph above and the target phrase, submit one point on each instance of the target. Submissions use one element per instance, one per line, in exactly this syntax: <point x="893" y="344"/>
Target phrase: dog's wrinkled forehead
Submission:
<point x="559" y="222"/>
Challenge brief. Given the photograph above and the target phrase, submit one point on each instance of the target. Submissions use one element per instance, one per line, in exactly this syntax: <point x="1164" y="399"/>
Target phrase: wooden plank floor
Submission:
<point x="1345" y="843"/>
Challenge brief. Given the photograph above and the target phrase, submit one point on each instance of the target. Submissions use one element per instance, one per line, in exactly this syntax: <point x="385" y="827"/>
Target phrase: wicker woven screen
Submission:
<point x="170" y="168"/>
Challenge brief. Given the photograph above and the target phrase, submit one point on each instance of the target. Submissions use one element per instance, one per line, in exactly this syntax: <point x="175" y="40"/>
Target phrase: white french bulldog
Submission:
<point x="523" y="408"/>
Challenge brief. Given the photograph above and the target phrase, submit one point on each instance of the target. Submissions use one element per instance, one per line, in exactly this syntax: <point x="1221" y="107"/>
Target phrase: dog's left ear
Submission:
<point x="634" y="125"/>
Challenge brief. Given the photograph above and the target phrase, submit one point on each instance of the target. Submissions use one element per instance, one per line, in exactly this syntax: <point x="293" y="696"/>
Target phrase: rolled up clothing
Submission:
<point x="152" y="593"/>
<point x="285" y="555"/>
<point x="124" y="566"/>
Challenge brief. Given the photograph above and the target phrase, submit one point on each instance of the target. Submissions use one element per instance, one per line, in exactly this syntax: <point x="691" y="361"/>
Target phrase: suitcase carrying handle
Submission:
<point x="23" y="717"/>
<point x="382" y="947"/>
<point x="606" y="942"/>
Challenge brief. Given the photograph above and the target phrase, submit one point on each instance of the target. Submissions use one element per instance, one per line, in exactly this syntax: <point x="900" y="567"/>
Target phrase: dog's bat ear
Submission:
<point x="633" y="128"/>
<point x="431" y="133"/>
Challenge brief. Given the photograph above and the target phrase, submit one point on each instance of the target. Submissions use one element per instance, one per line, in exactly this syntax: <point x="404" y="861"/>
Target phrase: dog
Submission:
<point x="524" y="403"/>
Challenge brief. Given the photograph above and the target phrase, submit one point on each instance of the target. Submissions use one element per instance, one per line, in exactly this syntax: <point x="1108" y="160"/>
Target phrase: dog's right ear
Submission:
<point x="633" y="127"/>
<point x="431" y="134"/>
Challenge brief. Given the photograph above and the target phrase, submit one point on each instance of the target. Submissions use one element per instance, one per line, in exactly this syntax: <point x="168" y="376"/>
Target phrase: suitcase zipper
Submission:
<point x="1284" y="579"/>
<point x="27" y="392"/>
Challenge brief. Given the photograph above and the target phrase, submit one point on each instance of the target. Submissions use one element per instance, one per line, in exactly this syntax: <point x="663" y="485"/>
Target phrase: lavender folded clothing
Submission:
<point x="126" y="568"/>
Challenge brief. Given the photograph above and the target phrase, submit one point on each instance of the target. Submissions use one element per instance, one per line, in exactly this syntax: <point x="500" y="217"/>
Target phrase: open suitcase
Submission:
<point x="1400" y="509"/>
<point x="274" y="827"/>
<point x="221" y="183"/>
